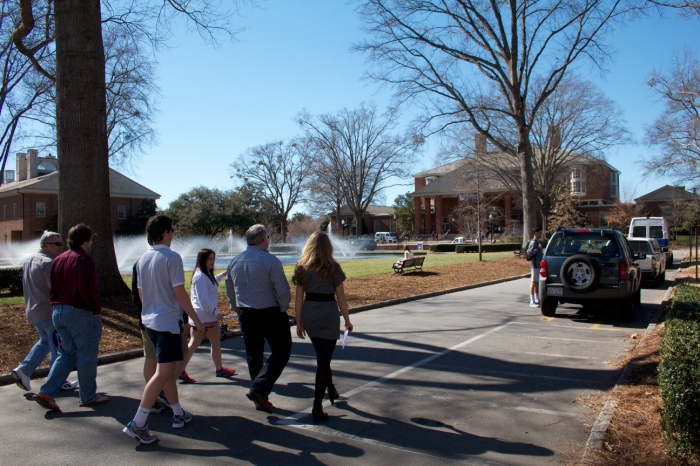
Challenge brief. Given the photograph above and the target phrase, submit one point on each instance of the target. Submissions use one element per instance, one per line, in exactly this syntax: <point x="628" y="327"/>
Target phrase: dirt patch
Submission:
<point x="634" y="436"/>
<point x="120" y="323"/>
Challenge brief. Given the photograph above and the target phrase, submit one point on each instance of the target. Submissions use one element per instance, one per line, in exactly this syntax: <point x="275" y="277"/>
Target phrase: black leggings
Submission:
<point x="324" y="377"/>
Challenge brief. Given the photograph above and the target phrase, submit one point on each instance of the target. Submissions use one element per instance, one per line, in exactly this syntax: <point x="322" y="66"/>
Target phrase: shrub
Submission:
<point x="679" y="374"/>
<point x="11" y="279"/>
<point x="487" y="247"/>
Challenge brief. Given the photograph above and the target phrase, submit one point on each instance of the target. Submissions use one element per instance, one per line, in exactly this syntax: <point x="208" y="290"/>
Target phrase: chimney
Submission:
<point x="32" y="163"/>
<point x="480" y="144"/>
<point x="554" y="135"/>
<point x="21" y="166"/>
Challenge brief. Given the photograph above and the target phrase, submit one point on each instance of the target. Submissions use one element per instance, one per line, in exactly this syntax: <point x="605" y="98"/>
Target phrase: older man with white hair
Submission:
<point x="37" y="301"/>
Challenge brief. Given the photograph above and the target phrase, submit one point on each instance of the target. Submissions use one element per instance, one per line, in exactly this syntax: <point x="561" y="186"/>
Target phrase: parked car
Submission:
<point x="364" y="244"/>
<point x="385" y="237"/>
<point x="461" y="240"/>
<point x="590" y="267"/>
<point x="653" y="266"/>
<point x="653" y="227"/>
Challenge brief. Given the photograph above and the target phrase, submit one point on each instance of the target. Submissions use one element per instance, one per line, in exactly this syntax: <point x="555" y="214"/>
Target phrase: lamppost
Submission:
<point x="344" y="227"/>
<point x="491" y="226"/>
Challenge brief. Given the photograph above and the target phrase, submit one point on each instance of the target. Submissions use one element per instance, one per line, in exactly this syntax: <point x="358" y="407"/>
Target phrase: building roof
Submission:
<point x="666" y="194"/>
<point x="119" y="186"/>
<point x="460" y="180"/>
<point x="373" y="210"/>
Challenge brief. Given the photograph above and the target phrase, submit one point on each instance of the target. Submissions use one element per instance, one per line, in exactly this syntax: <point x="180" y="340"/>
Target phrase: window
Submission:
<point x="614" y="185"/>
<point x="639" y="232"/>
<point x="656" y="232"/>
<point x="392" y="228"/>
<point x="641" y="246"/>
<point x="377" y="226"/>
<point x="121" y="212"/>
<point x="14" y="210"/>
<point x="604" y="219"/>
<point x="578" y="181"/>
<point x="40" y="210"/>
<point x="4" y="212"/>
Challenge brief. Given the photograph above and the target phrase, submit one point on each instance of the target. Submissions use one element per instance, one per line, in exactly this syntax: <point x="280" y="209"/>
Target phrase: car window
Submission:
<point x="641" y="246"/>
<point x="656" y="246"/>
<point x="639" y="232"/>
<point x="656" y="232"/>
<point x="625" y="245"/>
<point x="592" y="244"/>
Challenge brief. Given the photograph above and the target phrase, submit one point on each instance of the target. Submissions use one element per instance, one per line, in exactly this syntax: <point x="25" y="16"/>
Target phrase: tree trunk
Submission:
<point x="358" y="225"/>
<point x="81" y="132"/>
<point x="338" y="225"/>
<point x="528" y="186"/>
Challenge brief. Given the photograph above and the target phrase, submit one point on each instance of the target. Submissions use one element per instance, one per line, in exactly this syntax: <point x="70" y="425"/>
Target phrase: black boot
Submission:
<point x="332" y="394"/>
<point x="317" y="413"/>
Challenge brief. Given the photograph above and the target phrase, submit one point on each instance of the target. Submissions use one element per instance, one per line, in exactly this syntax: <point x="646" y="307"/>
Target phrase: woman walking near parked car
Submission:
<point x="319" y="295"/>
<point x="204" y="294"/>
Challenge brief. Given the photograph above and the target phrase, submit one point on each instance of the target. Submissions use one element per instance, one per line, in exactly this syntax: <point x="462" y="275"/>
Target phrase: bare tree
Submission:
<point x="676" y="133"/>
<point x="279" y="172"/>
<point x="686" y="7"/>
<point x="360" y="151"/>
<point x="81" y="110"/>
<point x="477" y="62"/>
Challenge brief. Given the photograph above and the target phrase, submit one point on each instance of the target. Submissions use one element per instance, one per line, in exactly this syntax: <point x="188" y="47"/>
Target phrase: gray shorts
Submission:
<point x="535" y="274"/>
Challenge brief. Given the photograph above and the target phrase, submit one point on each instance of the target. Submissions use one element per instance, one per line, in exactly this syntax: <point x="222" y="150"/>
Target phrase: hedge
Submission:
<point x="11" y="279"/>
<point x="488" y="247"/>
<point x="679" y="374"/>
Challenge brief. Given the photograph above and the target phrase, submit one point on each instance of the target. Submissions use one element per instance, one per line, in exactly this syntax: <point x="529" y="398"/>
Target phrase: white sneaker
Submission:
<point x="21" y="379"/>
<point x="69" y="385"/>
<point x="534" y="305"/>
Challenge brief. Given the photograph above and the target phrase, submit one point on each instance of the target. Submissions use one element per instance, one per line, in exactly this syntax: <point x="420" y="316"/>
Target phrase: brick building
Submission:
<point x="29" y="201"/>
<point x="376" y="218"/>
<point x="440" y="190"/>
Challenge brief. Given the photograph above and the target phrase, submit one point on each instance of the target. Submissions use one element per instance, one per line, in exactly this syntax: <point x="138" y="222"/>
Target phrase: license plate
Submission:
<point x="555" y="291"/>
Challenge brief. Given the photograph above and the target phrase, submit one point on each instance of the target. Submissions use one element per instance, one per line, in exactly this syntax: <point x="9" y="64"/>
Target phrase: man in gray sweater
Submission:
<point x="37" y="301"/>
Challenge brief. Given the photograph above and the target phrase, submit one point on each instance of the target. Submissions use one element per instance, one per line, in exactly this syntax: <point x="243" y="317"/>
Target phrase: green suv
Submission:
<point x="592" y="267"/>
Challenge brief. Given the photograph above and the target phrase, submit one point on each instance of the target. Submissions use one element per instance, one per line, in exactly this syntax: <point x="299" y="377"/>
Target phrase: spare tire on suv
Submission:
<point x="580" y="273"/>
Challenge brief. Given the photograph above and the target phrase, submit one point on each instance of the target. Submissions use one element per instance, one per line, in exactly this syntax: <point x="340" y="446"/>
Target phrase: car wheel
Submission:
<point x="625" y="309"/>
<point x="662" y="278"/>
<point x="548" y="307"/>
<point x="580" y="273"/>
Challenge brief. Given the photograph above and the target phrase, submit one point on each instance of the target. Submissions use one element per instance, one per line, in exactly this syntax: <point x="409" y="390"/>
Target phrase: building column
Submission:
<point x="508" y="208"/>
<point x="416" y="215"/>
<point x="438" y="215"/>
<point x="428" y="222"/>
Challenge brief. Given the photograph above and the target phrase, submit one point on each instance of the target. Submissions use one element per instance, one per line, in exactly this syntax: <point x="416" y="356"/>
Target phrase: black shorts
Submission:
<point x="168" y="346"/>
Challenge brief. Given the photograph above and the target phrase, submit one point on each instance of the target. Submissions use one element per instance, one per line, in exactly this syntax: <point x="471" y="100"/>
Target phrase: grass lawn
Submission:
<point x="352" y="269"/>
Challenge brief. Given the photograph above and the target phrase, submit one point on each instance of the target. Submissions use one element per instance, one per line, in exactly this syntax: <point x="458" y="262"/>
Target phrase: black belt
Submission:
<point x="320" y="297"/>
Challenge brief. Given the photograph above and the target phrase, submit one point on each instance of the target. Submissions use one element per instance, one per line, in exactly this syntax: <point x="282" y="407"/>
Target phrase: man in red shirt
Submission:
<point x="77" y="318"/>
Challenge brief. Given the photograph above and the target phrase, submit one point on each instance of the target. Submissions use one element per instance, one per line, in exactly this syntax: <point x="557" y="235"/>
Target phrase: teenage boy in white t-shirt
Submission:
<point x="162" y="291"/>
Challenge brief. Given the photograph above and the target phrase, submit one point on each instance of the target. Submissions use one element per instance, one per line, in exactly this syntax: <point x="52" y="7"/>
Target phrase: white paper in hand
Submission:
<point x="345" y="337"/>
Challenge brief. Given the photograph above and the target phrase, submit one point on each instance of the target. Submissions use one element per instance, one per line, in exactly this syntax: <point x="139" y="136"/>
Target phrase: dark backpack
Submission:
<point x="530" y="253"/>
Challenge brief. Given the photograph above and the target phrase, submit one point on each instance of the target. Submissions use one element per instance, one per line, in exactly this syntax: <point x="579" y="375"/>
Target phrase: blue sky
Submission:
<point x="296" y="54"/>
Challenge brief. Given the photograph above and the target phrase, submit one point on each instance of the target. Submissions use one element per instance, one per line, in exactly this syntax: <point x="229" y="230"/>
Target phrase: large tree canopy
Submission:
<point x="491" y="65"/>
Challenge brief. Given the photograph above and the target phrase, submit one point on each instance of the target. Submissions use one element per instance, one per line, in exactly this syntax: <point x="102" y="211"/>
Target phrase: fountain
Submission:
<point x="340" y="245"/>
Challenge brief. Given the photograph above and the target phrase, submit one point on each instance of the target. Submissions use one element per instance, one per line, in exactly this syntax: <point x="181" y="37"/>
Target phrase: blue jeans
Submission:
<point x="80" y="331"/>
<point x="41" y="348"/>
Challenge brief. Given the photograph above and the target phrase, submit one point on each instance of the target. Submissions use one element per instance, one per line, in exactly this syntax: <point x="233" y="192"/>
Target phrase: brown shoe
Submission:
<point x="99" y="399"/>
<point x="261" y="404"/>
<point x="46" y="401"/>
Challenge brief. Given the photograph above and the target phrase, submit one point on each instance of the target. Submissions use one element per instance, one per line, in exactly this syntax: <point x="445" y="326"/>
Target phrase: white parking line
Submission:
<point x="536" y="353"/>
<point x="516" y="375"/>
<point x="294" y="418"/>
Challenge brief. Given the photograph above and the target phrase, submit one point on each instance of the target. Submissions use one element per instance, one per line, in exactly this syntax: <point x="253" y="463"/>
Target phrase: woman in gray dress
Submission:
<point x="319" y="295"/>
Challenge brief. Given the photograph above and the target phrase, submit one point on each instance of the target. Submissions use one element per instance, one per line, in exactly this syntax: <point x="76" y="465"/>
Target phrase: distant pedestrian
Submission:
<point x="204" y="292"/>
<point x="258" y="292"/>
<point x="78" y="321"/>
<point x="162" y="291"/>
<point x="36" y="282"/>
<point x="319" y="294"/>
<point x="534" y="253"/>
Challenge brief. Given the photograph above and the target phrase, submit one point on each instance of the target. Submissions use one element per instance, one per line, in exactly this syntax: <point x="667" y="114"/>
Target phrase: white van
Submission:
<point x="653" y="227"/>
<point x="385" y="237"/>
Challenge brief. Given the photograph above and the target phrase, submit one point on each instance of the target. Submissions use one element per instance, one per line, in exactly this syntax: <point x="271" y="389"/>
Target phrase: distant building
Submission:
<point x="663" y="202"/>
<point x="439" y="191"/>
<point x="376" y="218"/>
<point x="29" y="205"/>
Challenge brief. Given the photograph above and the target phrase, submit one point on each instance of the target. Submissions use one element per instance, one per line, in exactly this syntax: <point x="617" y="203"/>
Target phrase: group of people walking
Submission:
<point x="63" y="286"/>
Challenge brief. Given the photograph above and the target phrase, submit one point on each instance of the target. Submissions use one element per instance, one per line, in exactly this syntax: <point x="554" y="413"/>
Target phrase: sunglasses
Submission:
<point x="59" y="244"/>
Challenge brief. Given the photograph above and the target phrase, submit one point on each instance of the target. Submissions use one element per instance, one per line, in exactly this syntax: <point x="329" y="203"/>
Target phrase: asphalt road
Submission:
<point x="475" y="377"/>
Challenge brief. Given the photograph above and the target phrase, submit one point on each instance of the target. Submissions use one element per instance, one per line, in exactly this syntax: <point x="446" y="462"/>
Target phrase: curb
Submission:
<point x="43" y="371"/>
<point x="600" y="427"/>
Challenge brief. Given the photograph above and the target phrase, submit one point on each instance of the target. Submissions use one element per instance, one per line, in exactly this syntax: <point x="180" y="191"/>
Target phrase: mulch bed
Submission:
<point x="121" y="332"/>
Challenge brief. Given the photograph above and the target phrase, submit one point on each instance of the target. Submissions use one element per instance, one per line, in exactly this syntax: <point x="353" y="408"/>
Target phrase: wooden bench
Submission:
<point x="520" y="252"/>
<point x="414" y="264"/>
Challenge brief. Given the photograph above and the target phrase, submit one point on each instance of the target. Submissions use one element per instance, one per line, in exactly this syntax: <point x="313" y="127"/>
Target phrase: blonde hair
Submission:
<point x="318" y="256"/>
